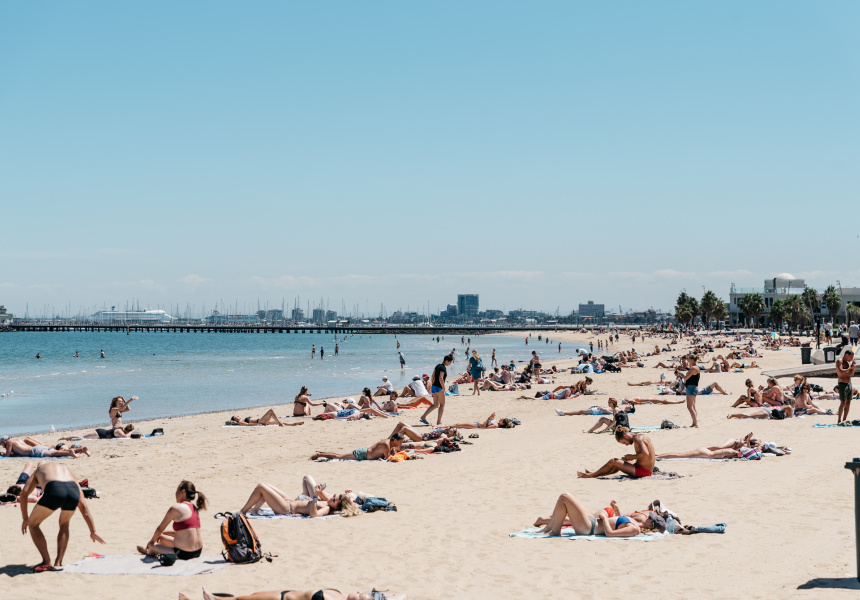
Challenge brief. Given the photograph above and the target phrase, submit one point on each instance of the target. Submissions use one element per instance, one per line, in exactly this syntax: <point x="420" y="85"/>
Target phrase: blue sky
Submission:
<point x="540" y="154"/>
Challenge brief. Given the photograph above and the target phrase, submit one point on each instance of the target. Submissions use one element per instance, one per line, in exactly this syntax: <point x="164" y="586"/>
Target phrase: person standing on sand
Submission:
<point x="493" y="362"/>
<point x="440" y="375"/>
<point x="844" y="371"/>
<point x="61" y="492"/>
<point x="691" y="381"/>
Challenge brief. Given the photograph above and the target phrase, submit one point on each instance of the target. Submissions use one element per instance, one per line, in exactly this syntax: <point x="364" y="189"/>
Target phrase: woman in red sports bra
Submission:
<point x="185" y="540"/>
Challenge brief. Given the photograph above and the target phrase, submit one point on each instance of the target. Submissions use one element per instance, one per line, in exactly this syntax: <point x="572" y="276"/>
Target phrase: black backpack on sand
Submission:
<point x="241" y="544"/>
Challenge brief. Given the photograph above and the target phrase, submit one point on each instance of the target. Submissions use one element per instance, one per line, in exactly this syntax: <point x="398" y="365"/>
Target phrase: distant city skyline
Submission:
<point x="368" y="308"/>
<point x="538" y="155"/>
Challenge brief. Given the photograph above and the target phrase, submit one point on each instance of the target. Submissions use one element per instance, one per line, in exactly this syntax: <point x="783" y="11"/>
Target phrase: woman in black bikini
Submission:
<point x="185" y="540"/>
<point x="118" y="406"/>
<point x="296" y="595"/>
<point x="302" y="403"/>
<point x="270" y="418"/>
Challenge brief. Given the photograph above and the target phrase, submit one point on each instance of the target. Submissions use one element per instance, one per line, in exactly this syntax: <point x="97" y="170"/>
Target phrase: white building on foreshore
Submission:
<point x="131" y="316"/>
<point x="781" y="287"/>
<point x="4" y="316"/>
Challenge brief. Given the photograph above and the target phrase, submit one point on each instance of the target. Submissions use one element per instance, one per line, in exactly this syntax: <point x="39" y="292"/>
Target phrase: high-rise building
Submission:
<point x="298" y="315"/>
<point x="591" y="310"/>
<point x="467" y="305"/>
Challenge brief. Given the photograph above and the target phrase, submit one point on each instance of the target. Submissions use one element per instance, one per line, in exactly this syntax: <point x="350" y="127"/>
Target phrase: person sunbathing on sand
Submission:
<point x="314" y="502"/>
<point x="393" y="406"/>
<point x="104" y="434"/>
<point x="14" y="491"/>
<point x="326" y="594"/>
<point x="33" y="448"/>
<point x="417" y="388"/>
<point x="270" y="418"/>
<point x="607" y="521"/>
<point x="751" y="398"/>
<point x="381" y="449"/>
<point x="560" y="393"/>
<point x="302" y="403"/>
<point x="597" y="410"/>
<point x="710" y="389"/>
<point x="432" y="435"/>
<point x="643" y="383"/>
<point x="350" y="411"/>
<point x="779" y="413"/>
<point x="650" y="401"/>
<point x="489" y="423"/>
<point x="640" y="464"/>
<point x="804" y="404"/>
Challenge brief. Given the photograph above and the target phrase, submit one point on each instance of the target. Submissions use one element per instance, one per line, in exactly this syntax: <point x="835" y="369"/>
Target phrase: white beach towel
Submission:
<point x="568" y="534"/>
<point x="137" y="564"/>
<point x="269" y="514"/>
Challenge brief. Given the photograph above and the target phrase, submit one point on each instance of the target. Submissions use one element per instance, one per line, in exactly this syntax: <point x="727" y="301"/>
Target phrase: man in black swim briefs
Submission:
<point x="60" y="492"/>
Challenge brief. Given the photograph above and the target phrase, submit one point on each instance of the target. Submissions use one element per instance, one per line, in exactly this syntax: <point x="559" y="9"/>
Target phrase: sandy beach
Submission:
<point x="790" y="519"/>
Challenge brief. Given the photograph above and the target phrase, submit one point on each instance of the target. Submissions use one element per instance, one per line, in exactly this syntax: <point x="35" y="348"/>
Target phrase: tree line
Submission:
<point x="796" y="310"/>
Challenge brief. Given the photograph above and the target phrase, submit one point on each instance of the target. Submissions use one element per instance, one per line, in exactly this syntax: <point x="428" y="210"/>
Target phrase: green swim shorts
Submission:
<point x="360" y="454"/>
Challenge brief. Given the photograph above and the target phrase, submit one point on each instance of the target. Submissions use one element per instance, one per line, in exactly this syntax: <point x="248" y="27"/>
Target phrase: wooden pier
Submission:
<point x="274" y="328"/>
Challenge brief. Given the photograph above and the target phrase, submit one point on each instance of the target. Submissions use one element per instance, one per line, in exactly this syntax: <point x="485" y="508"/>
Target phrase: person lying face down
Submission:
<point x="381" y="449"/>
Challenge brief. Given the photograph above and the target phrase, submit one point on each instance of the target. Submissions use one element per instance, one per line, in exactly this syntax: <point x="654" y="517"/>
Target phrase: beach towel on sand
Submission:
<point x="834" y="425"/>
<point x="269" y="514"/>
<point x="656" y="475"/>
<point x="568" y="533"/>
<point x="137" y="564"/>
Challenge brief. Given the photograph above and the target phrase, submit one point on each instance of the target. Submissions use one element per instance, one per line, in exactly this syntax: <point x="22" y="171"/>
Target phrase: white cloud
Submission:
<point x="193" y="279"/>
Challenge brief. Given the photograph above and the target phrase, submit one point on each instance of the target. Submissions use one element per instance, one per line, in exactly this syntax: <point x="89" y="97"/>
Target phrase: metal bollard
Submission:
<point x="854" y="465"/>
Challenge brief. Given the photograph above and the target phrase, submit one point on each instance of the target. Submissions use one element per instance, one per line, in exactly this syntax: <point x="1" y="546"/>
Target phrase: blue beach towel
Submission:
<point x="833" y="425"/>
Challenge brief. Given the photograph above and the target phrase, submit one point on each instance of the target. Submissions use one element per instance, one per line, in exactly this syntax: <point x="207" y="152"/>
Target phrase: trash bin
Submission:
<point x="829" y="354"/>
<point x="805" y="355"/>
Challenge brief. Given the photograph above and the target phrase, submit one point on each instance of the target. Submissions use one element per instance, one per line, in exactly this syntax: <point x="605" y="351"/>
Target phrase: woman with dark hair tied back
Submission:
<point x="185" y="540"/>
<point x="302" y="403"/>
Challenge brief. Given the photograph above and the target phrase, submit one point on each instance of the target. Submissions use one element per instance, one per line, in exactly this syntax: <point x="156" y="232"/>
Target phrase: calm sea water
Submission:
<point x="184" y="373"/>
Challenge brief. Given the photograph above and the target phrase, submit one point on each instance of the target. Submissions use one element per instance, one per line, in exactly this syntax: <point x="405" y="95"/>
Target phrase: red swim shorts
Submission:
<point x="640" y="472"/>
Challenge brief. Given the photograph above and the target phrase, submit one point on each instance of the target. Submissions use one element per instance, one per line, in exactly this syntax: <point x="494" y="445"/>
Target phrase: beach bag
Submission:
<point x="667" y="424"/>
<point x="454" y="389"/>
<point x="621" y="420"/>
<point x="157" y="431"/>
<point x="241" y="544"/>
<point x="750" y="454"/>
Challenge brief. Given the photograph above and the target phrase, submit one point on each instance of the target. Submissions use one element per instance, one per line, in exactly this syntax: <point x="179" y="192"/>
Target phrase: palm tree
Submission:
<point x="684" y="315"/>
<point x="720" y="310"/>
<point x="778" y="313"/>
<point x="686" y="304"/>
<point x="752" y="305"/>
<point x="709" y="301"/>
<point x="853" y="311"/>
<point x="833" y="302"/>
<point x="811" y="300"/>
<point x="795" y="310"/>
